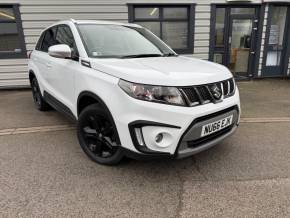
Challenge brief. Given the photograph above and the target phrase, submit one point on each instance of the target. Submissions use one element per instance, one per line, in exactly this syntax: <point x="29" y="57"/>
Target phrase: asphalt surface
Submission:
<point x="17" y="110"/>
<point x="46" y="174"/>
<point x="265" y="98"/>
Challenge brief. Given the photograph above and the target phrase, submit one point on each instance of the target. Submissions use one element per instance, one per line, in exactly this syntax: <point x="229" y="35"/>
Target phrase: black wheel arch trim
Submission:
<point x="103" y="105"/>
<point x="31" y="72"/>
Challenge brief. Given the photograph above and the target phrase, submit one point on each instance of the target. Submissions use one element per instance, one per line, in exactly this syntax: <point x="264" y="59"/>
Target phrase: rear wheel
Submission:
<point x="98" y="136"/>
<point x="37" y="96"/>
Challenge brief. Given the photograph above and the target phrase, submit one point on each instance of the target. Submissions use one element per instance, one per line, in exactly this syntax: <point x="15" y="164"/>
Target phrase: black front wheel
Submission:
<point x="98" y="136"/>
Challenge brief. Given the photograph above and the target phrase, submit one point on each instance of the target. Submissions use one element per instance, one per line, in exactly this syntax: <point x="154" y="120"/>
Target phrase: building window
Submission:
<point x="173" y="24"/>
<point x="277" y="41"/>
<point x="276" y="36"/>
<point x="11" y="34"/>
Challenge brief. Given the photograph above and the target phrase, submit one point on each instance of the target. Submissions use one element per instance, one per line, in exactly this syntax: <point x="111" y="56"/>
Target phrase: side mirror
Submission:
<point x="60" y="51"/>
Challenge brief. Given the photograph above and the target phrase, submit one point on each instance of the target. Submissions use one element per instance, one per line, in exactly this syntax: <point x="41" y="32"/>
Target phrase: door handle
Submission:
<point x="48" y="65"/>
<point x="252" y="52"/>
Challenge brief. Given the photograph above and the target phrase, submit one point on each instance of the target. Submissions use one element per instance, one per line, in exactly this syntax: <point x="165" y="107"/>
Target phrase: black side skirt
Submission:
<point x="56" y="104"/>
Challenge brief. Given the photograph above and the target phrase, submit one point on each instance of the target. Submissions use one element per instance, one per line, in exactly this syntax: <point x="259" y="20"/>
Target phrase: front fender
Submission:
<point x="101" y="85"/>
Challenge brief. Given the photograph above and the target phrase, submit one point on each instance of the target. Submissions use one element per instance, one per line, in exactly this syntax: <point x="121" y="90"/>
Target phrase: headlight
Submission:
<point x="158" y="94"/>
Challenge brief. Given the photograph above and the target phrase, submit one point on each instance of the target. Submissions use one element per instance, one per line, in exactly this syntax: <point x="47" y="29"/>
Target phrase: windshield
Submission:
<point x="116" y="41"/>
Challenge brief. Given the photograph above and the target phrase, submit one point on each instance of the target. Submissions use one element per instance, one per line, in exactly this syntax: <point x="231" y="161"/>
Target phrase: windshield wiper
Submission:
<point x="142" y="56"/>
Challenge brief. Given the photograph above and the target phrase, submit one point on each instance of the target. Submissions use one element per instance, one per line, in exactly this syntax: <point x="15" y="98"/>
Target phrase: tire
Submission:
<point x="98" y="136"/>
<point x="39" y="102"/>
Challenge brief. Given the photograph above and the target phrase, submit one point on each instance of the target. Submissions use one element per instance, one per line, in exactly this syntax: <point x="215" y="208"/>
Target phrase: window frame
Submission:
<point x="18" y="22"/>
<point x="39" y="43"/>
<point x="284" y="56"/>
<point x="41" y="38"/>
<point x="190" y="20"/>
<point x="75" y="54"/>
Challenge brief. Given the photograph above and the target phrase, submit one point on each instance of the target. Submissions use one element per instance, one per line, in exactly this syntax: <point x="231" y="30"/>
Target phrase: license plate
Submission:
<point x="216" y="126"/>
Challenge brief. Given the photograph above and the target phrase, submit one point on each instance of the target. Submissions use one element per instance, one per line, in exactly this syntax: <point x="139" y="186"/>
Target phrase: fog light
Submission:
<point x="159" y="138"/>
<point x="139" y="136"/>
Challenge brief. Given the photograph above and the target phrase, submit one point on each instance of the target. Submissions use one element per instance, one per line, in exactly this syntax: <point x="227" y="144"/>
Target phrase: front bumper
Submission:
<point x="190" y="142"/>
<point x="173" y="121"/>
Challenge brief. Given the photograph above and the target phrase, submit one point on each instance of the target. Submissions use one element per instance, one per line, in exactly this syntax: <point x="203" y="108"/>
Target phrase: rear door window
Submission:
<point x="49" y="39"/>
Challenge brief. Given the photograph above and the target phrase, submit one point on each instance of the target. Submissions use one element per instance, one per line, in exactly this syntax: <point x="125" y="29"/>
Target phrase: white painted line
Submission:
<point x="6" y="131"/>
<point x="266" y="120"/>
<point x="27" y="130"/>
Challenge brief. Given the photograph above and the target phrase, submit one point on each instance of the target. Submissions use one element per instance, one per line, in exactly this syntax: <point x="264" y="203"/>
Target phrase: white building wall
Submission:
<point x="38" y="14"/>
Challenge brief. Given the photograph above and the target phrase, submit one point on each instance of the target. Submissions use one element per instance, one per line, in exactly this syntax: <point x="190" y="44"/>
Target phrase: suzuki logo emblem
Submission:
<point x="216" y="92"/>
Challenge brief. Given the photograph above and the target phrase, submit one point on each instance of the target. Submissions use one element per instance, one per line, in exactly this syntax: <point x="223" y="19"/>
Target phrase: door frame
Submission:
<point x="259" y="16"/>
<point x="253" y="39"/>
<point x="286" y="54"/>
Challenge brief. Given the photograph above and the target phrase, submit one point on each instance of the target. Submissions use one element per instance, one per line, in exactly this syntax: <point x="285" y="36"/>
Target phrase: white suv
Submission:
<point x="130" y="93"/>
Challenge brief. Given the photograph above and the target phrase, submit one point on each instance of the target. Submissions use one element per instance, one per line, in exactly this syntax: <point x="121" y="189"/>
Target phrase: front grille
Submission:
<point x="209" y="93"/>
<point x="191" y="95"/>
<point x="204" y="94"/>
<point x="228" y="87"/>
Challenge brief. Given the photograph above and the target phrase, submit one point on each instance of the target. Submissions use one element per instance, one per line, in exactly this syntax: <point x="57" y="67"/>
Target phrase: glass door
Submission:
<point x="233" y="34"/>
<point x="276" y="45"/>
<point x="240" y="46"/>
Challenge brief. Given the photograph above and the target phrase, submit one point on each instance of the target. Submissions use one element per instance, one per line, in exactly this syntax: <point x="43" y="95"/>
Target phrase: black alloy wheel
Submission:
<point x="98" y="136"/>
<point x="37" y="97"/>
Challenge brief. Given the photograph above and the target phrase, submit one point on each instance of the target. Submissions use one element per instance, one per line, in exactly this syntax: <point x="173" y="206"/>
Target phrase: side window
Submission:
<point x="38" y="45"/>
<point x="49" y="39"/>
<point x="65" y="36"/>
